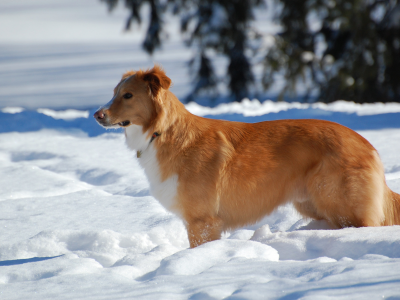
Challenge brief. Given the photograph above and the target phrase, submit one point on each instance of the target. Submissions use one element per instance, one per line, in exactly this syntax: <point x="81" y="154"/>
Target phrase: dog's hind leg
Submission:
<point x="307" y="209"/>
<point x="348" y="196"/>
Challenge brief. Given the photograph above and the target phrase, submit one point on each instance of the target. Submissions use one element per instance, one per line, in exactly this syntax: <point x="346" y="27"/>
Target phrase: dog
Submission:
<point x="220" y="175"/>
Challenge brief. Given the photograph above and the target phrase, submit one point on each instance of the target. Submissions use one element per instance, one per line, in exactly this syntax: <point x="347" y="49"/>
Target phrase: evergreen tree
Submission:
<point x="349" y="49"/>
<point x="212" y="26"/>
<point x="337" y="49"/>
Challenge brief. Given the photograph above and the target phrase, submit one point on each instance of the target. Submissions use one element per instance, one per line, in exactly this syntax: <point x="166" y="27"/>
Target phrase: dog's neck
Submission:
<point x="136" y="139"/>
<point x="140" y="152"/>
<point x="175" y="126"/>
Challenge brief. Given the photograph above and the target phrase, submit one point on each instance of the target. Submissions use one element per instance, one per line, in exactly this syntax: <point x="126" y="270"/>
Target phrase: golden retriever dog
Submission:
<point x="220" y="175"/>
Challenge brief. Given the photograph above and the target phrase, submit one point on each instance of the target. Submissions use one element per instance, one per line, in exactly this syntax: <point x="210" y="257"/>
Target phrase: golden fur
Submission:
<point x="230" y="174"/>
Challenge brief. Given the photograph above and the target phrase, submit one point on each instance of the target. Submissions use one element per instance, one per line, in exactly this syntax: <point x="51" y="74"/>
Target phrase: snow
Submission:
<point x="68" y="114"/>
<point x="256" y="108"/>
<point x="77" y="220"/>
<point x="70" y="53"/>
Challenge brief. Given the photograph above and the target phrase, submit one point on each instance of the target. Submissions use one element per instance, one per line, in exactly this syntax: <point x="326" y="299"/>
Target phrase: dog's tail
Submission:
<point x="392" y="215"/>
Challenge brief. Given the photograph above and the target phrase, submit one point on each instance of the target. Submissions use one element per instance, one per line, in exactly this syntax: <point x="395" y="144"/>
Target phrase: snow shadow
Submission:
<point x="26" y="260"/>
<point x="328" y="289"/>
<point x="31" y="120"/>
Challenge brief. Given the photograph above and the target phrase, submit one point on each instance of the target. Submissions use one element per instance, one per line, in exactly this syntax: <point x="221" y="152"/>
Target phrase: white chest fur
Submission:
<point x="164" y="191"/>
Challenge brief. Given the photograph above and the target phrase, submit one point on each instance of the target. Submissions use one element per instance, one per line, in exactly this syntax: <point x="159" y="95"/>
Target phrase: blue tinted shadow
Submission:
<point x="30" y="120"/>
<point x="26" y="260"/>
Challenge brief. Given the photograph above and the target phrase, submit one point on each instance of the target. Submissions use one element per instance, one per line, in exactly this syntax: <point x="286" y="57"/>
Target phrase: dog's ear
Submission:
<point x="127" y="74"/>
<point x="156" y="79"/>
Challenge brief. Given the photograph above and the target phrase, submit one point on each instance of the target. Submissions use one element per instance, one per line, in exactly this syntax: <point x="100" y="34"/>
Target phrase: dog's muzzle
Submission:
<point x="102" y="119"/>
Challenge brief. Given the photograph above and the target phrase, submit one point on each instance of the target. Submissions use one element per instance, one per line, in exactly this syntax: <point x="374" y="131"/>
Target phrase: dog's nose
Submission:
<point x="99" y="114"/>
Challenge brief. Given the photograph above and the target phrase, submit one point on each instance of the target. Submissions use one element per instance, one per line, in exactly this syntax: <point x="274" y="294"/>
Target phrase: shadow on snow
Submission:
<point x="29" y="120"/>
<point x="26" y="260"/>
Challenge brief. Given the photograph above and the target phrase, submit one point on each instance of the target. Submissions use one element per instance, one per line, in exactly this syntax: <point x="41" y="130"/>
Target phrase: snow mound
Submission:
<point x="206" y="256"/>
<point x="256" y="108"/>
<point x="354" y="243"/>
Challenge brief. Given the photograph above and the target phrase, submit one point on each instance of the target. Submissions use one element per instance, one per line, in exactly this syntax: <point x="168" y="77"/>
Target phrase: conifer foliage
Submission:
<point x="328" y="49"/>
<point x="212" y="27"/>
<point x="340" y="49"/>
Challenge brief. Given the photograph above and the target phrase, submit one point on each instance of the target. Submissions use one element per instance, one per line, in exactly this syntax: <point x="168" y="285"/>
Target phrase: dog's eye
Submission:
<point x="127" y="95"/>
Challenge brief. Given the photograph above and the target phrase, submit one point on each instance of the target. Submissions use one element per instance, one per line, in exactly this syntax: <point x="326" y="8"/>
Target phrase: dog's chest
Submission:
<point x="164" y="191"/>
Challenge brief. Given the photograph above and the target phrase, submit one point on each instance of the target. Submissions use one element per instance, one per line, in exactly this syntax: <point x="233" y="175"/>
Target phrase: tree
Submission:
<point x="337" y="49"/>
<point x="213" y="26"/>
<point x="343" y="49"/>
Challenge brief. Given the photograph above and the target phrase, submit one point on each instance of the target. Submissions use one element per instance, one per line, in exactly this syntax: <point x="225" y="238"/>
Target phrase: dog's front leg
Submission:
<point x="202" y="230"/>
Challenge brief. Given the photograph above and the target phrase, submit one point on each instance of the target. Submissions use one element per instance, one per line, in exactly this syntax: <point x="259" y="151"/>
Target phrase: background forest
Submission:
<point x="333" y="49"/>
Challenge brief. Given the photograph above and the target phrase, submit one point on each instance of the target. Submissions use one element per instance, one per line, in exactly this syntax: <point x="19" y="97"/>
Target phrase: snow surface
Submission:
<point x="71" y="53"/>
<point x="76" y="217"/>
<point x="77" y="221"/>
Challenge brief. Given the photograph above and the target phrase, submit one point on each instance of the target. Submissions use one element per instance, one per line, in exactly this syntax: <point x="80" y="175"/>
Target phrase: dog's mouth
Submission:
<point x="124" y="123"/>
<point x="115" y="125"/>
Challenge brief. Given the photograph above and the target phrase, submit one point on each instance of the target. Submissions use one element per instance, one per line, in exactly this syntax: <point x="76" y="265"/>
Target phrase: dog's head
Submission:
<point x="137" y="99"/>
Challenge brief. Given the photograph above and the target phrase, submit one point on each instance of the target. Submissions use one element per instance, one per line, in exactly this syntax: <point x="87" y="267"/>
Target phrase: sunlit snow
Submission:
<point x="76" y="217"/>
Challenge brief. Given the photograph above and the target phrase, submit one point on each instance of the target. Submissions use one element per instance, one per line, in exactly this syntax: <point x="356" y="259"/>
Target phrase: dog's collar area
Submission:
<point x="155" y="134"/>
<point x="140" y="152"/>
